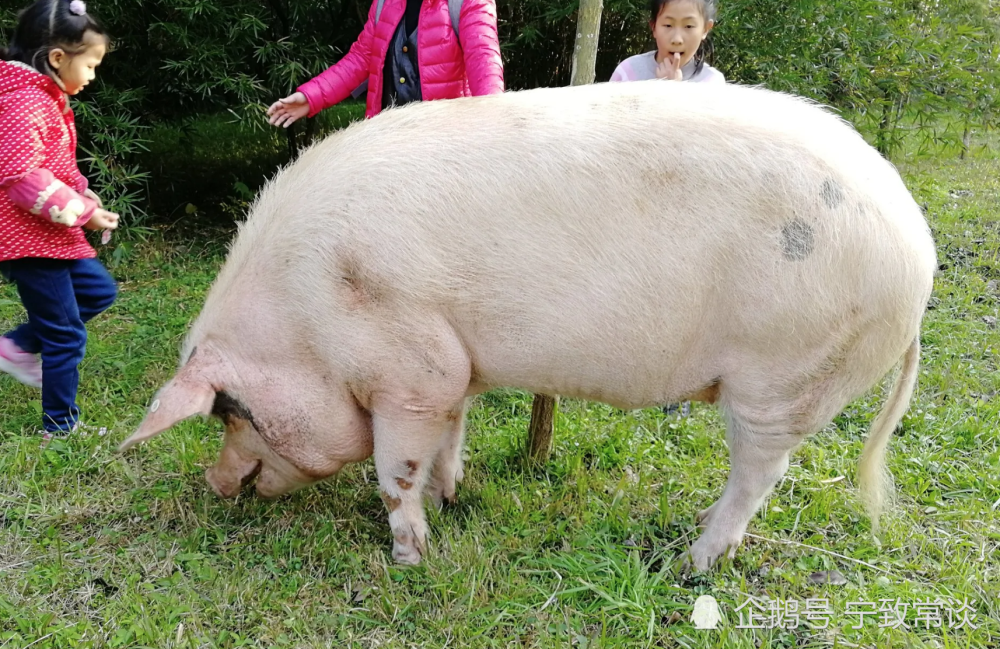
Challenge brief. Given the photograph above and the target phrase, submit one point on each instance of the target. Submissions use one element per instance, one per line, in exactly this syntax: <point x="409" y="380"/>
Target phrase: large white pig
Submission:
<point x="635" y="244"/>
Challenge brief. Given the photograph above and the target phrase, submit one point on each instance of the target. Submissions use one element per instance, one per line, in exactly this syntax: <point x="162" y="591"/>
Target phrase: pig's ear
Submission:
<point x="184" y="396"/>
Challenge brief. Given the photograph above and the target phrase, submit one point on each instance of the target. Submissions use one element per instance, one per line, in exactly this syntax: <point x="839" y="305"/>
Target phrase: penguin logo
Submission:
<point x="706" y="613"/>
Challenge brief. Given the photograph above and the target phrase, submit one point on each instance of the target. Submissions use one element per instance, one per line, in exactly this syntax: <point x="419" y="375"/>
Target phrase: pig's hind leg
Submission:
<point x="758" y="459"/>
<point x="762" y="430"/>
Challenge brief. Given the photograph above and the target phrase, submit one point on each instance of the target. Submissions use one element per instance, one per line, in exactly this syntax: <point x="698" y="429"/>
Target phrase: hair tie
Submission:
<point x="77" y="7"/>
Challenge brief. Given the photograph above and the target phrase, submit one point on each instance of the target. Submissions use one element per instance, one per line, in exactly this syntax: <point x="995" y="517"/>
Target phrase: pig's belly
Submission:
<point x="618" y="358"/>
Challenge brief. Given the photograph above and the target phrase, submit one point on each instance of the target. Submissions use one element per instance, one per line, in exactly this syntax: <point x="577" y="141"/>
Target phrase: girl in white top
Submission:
<point x="680" y="28"/>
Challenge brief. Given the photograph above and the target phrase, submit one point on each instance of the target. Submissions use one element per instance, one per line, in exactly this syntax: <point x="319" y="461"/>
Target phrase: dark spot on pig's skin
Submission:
<point x="358" y="295"/>
<point x="659" y="177"/>
<point x="412" y="465"/>
<point x="797" y="240"/>
<point x="193" y="352"/>
<point x="404" y="483"/>
<point x="391" y="502"/>
<point x="228" y="408"/>
<point x="832" y="193"/>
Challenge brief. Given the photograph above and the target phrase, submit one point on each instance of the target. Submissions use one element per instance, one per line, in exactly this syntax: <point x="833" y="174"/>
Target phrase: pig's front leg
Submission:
<point x="448" y="465"/>
<point x="405" y="450"/>
<point x="415" y="408"/>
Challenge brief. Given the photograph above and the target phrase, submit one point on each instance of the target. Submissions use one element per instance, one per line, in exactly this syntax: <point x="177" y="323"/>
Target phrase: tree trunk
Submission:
<point x="588" y="28"/>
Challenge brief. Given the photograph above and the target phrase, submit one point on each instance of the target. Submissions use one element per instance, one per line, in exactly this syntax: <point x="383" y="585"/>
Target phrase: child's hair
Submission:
<point x="706" y="50"/>
<point x="47" y="25"/>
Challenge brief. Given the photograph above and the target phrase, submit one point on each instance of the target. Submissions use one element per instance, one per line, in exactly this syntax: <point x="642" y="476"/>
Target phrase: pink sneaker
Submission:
<point x="25" y="367"/>
<point x="78" y="428"/>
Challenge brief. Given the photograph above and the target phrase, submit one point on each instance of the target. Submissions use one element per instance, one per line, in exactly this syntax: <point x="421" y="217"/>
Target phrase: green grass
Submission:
<point x="103" y="550"/>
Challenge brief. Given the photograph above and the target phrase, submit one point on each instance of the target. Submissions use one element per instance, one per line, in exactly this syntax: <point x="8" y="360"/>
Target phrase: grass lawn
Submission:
<point x="105" y="550"/>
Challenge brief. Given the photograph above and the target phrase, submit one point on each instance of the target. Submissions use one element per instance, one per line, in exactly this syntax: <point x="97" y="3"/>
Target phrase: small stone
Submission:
<point x="990" y="321"/>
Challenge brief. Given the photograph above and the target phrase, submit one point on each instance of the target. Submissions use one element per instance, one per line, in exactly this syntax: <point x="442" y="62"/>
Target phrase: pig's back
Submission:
<point x="648" y="224"/>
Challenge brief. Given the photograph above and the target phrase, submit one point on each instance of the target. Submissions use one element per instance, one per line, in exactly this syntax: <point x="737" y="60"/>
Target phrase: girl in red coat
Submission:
<point x="45" y="203"/>
<point x="409" y="50"/>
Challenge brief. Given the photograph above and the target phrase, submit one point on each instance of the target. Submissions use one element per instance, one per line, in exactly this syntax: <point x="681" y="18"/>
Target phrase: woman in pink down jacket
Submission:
<point x="411" y="52"/>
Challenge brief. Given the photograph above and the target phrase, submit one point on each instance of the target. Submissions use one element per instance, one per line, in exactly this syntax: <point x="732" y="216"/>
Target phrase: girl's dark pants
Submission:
<point x="60" y="296"/>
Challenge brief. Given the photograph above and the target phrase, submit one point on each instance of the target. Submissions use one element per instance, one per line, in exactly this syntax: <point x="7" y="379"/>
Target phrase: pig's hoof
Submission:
<point x="446" y="499"/>
<point x="407" y="549"/>
<point x="442" y="489"/>
<point x="448" y="496"/>
<point x="703" y="517"/>
<point x="440" y="496"/>
<point x="707" y="550"/>
<point x="408" y="555"/>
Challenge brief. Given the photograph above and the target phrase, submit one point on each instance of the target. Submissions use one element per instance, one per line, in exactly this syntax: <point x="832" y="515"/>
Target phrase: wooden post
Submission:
<point x="543" y="411"/>
<point x="588" y="28"/>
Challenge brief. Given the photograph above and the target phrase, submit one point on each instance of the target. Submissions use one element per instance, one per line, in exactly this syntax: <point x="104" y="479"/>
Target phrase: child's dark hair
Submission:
<point x="706" y="50"/>
<point x="47" y="25"/>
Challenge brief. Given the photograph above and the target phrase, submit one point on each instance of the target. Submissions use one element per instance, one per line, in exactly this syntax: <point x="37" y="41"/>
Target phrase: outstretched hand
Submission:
<point x="286" y="111"/>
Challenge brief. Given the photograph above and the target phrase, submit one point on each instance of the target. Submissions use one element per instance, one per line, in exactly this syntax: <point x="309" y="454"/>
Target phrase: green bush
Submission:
<point x="885" y="61"/>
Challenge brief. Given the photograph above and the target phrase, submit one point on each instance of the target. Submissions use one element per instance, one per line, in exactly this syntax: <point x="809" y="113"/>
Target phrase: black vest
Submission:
<point x="400" y="75"/>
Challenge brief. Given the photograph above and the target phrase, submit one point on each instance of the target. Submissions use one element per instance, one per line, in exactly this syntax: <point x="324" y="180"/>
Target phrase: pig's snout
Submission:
<point x="227" y="482"/>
